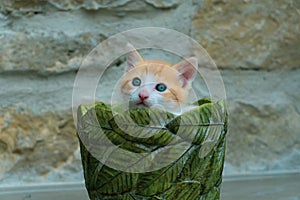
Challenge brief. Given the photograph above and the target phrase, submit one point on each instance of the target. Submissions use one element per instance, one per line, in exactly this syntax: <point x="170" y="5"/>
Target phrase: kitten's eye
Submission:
<point x="161" y="87"/>
<point x="136" y="82"/>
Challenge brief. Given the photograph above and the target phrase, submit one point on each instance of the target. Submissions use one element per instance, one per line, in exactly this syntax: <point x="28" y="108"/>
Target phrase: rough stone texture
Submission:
<point x="264" y="117"/>
<point x="43" y="5"/>
<point x="58" y="40"/>
<point x="256" y="43"/>
<point x="47" y="59"/>
<point x="39" y="145"/>
<point x="250" y="34"/>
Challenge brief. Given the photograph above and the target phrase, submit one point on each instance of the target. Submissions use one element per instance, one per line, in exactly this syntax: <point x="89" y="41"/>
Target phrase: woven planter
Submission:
<point x="195" y="174"/>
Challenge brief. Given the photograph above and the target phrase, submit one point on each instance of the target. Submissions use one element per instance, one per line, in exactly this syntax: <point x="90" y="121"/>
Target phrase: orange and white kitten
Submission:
<point x="153" y="83"/>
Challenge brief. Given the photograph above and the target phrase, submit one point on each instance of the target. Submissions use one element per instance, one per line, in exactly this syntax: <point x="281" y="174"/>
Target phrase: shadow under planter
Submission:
<point x="152" y="154"/>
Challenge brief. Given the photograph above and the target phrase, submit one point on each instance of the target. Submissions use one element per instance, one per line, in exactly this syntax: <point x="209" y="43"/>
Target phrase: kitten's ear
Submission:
<point x="133" y="57"/>
<point x="187" y="69"/>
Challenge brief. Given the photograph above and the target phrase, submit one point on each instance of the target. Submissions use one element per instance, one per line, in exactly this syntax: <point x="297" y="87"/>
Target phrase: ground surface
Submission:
<point x="279" y="187"/>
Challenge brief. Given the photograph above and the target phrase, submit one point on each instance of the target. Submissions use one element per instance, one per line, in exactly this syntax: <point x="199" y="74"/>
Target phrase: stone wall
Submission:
<point x="255" y="44"/>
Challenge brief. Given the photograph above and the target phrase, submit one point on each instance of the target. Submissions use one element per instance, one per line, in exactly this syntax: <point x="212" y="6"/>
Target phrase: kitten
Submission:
<point x="153" y="83"/>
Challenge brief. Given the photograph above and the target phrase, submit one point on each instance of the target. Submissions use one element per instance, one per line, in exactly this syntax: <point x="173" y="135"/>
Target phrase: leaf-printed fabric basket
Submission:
<point x="154" y="136"/>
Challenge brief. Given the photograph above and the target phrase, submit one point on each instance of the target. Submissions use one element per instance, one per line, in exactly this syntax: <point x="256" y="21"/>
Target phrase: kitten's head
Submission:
<point x="149" y="83"/>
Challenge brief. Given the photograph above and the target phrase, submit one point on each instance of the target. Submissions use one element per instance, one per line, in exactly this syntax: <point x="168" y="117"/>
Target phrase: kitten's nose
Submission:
<point x="143" y="95"/>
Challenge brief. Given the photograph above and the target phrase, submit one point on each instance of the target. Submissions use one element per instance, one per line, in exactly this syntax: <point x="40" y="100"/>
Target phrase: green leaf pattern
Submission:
<point x="198" y="134"/>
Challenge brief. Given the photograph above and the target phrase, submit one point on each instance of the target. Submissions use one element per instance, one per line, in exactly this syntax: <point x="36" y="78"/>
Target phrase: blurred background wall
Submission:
<point x="254" y="43"/>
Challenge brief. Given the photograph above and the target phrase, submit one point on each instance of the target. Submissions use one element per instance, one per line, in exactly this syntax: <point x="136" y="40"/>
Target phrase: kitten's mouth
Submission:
<point x="142" y="104"/>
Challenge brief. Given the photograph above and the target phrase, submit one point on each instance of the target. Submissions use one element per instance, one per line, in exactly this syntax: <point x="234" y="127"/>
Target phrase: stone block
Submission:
<point x="37" y="147"/>
<point x="250" y="34"/>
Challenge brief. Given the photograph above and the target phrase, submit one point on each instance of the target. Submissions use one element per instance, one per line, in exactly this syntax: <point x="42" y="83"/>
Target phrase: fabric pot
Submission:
<point x="175" y="157"/>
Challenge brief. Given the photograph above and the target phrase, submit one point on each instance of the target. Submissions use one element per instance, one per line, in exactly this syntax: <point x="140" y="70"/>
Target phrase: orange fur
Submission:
<point x="163" y="73"/>
<point x="152" y="73"/>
